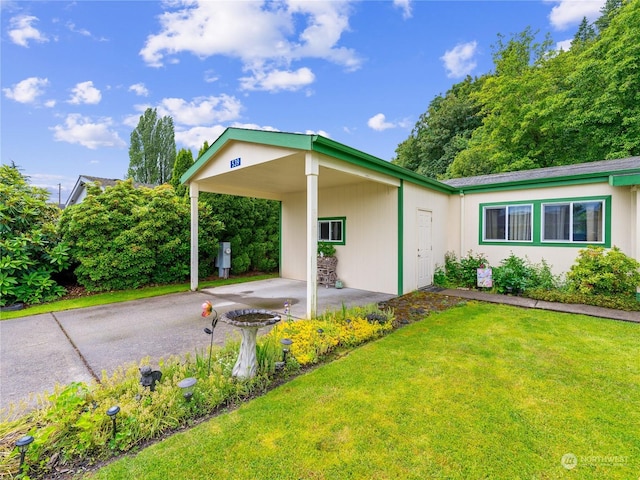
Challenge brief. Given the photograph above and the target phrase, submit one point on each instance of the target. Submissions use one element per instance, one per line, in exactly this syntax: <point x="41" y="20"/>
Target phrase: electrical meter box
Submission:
<point x="223" y="260"/>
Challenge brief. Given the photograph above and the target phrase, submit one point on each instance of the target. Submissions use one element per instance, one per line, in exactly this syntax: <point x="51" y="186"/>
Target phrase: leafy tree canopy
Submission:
<point x="540" y="107"/>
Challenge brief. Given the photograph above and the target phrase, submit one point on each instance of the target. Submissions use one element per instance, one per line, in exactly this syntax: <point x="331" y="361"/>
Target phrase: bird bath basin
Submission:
<point x="249" y="321"/>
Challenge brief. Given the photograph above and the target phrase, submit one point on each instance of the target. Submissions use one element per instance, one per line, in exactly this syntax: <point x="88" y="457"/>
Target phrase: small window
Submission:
<point x="510" y="223"/>
<point x="331" y="230"/>
<point x="573" y="222"/>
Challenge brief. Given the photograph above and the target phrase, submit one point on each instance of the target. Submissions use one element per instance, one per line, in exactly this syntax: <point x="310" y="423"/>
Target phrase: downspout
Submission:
<point x="636" y="237"/>
<point x="462" y="223"/>
<point x="193" y="195"/>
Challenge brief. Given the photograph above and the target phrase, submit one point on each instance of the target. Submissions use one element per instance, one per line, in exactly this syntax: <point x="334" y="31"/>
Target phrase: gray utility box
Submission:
<point x="223" y="260"/>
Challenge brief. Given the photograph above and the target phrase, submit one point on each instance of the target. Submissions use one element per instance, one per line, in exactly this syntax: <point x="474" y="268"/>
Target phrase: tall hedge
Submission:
<point x="252" y="225"/>
<point x="30" y="252"/>
<point x="127" y="237"/>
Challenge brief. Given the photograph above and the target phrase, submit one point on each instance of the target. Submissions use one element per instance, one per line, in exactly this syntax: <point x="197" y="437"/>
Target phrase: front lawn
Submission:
<point x="480" y="391"/>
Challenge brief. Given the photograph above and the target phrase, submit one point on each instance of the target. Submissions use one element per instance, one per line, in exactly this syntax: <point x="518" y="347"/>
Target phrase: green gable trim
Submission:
<point x="624" y="180"/>
<point x="401" y="238"/>
<point x="536" y="234"/>
<point x="277" y="139"/>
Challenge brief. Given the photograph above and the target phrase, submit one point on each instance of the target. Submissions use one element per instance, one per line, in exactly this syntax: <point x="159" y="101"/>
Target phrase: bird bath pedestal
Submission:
<point x="249" y="321"/>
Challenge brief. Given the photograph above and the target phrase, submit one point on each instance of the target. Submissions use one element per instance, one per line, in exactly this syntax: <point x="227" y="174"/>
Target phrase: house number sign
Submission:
<point x="235" y="162"/>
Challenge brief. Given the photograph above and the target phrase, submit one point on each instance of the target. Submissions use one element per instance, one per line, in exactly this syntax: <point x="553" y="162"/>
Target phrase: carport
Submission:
<point x="300" y="171"/>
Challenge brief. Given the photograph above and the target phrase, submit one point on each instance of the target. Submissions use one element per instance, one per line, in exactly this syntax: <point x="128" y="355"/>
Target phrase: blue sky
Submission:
<point x="76" y="76"/>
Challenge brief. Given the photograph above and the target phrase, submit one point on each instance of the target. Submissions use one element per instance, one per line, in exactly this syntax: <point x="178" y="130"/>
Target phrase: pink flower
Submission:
<point x="207" y="308"/>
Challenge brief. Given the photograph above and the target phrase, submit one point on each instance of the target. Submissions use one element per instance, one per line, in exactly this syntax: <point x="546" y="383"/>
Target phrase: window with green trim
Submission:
<point x="332" y="230"/>
<point x="558" y="222"/>
<point x="573" y="222"/>
<point x="508" y="223"/>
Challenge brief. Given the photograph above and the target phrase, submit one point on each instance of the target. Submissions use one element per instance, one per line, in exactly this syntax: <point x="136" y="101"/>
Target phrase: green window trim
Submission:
<point x="331" y="221"/>
<point x="537" y="238"/>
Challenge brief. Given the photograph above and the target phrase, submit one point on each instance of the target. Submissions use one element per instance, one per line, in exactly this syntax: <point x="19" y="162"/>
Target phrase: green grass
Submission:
<point x="480" y="391"/>
<point x="123" y="296"/>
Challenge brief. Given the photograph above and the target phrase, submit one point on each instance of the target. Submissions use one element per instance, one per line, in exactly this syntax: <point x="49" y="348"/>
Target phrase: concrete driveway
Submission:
<point x="40" y="351"/>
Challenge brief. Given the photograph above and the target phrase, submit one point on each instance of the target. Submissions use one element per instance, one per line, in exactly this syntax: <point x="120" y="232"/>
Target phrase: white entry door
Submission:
<point x="425" y="274"/>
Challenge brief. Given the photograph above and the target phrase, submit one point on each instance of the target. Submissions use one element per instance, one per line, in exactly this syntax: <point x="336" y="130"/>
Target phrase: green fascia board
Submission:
<point x="624" y="180"/>
<point x="340" y="151"/>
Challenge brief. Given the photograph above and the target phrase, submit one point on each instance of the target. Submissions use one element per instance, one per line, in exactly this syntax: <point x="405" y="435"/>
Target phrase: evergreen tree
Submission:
<point x="184" y="161"/>
<point x="152" y="151"/>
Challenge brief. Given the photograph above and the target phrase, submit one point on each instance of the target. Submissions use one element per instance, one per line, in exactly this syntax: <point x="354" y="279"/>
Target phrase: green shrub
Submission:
<point x="326" y="249"/>
<point x="514" y="274"/>
<point x="252" y="225"/>
<point x="30" y="249"/>
<point x="604" y="272"/>
<point x="563" y="295"/>
<point x="463" y="273"/>
<point x="127" y="237"/>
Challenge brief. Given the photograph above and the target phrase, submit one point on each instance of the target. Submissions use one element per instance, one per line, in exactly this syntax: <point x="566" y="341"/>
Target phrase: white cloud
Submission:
<point x="459" y="61"/>
<point x="270" y="44"/>
<point x="139" y="89"/>
<point x="210" y="76"/>
<point x="50" y="103"/>
<point x="85" y="132"/>
<point x="378" y="122"/>
<point x="276" y="80"/>
<point x="195" y="137"/>
<point x="564" y="45"/>
<point x="26" y="91"/>
<point x="21" y="30"/>
<point x="405" y="6"/>
<point x="85" y="92"/>
<point x="571" y="12"/>
<point x="201" y="110"/>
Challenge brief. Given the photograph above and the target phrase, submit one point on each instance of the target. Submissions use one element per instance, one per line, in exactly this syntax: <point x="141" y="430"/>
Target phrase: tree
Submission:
<point x="585" y="33"/>
<point x="30" y="250"/>
<point x="608" y="11"/>
<point x="184" y="161"/>
<point x="152" y="151"/>
<point x="127" y="237"/>
<point x="441" y="132"/>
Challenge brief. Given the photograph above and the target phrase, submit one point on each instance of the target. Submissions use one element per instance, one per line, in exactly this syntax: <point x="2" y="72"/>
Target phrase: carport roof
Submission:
<point x="314" y="143"/>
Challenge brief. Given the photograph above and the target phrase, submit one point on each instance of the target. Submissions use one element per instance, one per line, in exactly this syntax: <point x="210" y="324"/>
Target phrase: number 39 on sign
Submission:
<point x="234" y="163"/>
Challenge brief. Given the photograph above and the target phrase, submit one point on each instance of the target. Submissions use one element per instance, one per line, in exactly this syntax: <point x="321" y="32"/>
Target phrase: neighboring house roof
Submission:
<point x="591" y="172"/>
<point x="79" y="190"/>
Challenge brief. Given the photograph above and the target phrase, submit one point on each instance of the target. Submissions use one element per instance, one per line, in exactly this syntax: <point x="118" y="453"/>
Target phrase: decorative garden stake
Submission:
<point x="207" y="309"/>
<point x="113" y="413"/>
<point x="187" y="386"/>
<point x="148" y="377"/>
<point x="23" y="445"/>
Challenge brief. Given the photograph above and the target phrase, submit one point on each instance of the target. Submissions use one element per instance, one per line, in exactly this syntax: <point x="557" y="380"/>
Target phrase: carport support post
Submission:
<point x="193" y="195"/>
<point x="312" y="170"/>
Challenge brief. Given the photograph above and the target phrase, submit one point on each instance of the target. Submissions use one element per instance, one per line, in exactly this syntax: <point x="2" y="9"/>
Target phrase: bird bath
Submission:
<point x="249" y="321"/>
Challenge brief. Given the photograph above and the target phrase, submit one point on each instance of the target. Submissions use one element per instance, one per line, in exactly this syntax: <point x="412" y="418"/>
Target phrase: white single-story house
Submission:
<point x="391" y="226"/>
<point x="79" y="192"/>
